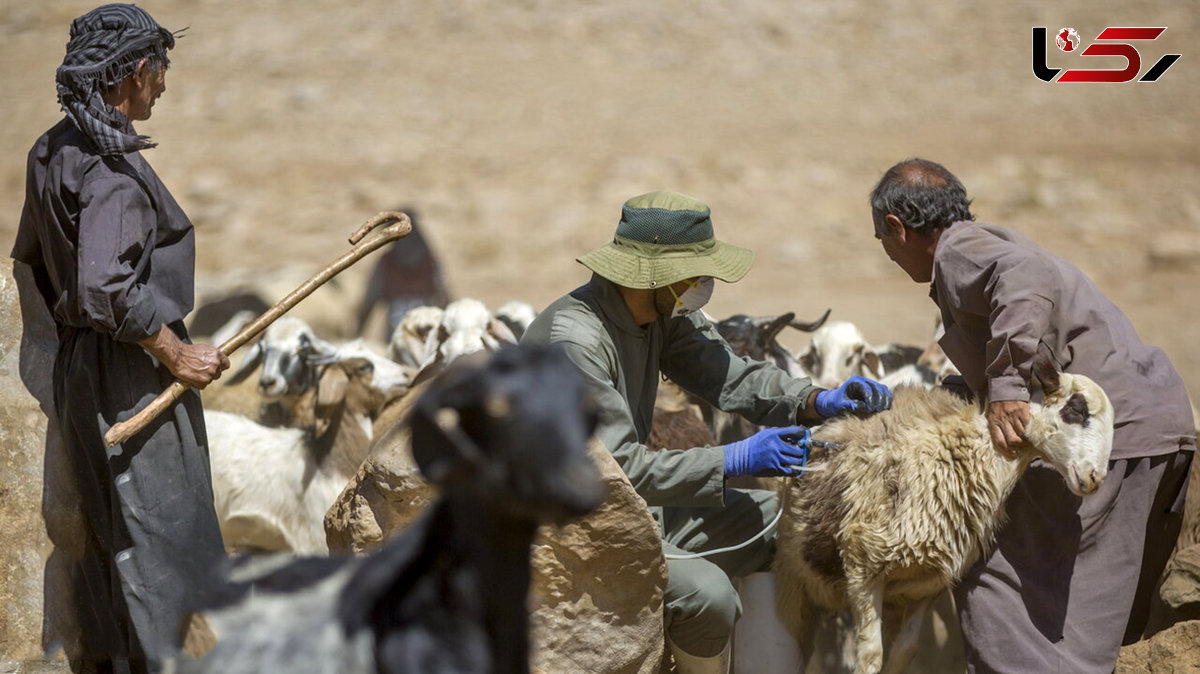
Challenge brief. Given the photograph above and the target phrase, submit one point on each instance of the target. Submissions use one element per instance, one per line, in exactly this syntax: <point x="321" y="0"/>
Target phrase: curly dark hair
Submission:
<point x="923" y="194"/>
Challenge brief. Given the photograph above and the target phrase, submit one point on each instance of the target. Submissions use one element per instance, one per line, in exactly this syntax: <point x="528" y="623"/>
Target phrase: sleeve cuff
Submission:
<point x="1008" y="388"/>
<point x="141" y="321"/>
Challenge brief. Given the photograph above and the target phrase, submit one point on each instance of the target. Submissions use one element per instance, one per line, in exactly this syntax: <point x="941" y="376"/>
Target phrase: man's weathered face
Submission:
<point x="907" y="248"/>
<point x="149" y="83"/>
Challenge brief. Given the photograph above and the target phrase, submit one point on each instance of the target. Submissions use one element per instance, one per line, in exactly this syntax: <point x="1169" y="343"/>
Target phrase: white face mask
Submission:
<point x="696" y="296"/>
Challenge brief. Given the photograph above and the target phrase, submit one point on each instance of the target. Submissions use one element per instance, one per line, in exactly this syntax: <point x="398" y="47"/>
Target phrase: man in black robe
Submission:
<point x="113" y="256"/>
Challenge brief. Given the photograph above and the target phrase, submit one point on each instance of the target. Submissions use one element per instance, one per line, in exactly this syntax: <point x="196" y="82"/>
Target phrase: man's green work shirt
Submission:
<point x="621" y="362"/>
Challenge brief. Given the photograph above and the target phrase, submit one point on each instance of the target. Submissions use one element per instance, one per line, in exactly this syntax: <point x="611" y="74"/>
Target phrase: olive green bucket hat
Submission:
<point x="663" y="238"/>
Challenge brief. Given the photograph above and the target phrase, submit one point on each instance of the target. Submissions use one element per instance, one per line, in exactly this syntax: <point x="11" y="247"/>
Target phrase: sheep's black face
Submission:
<point x="514" y="432"/>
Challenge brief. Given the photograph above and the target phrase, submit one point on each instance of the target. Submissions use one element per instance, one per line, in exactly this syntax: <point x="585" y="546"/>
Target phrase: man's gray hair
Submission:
<point x="923" y="194"/>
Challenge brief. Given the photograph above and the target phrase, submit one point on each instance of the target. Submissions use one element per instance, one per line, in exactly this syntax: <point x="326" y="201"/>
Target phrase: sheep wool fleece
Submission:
<point x="621" y="362"/>
<point x="113" y="255"/>
<point x="1070" y="577"/>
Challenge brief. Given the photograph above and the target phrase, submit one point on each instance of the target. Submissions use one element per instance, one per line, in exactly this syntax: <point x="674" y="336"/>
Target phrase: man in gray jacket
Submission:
<point x="638" y="317"/>
<point x="113" y="256"/>
<point x="1070" y="578"/>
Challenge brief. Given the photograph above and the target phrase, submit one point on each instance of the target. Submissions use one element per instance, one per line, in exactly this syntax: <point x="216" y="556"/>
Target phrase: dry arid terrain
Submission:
<point x="518" y="128"/>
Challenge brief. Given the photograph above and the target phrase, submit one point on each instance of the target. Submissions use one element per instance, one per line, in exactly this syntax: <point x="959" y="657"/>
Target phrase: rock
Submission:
<point x="26" y="361"/>
<point x="1176" y="649"/>
<point x="385" y="496"/>
<point x="1181" y="586"/>
<point x="596" y="597"/>
<point x="598" y="586"/>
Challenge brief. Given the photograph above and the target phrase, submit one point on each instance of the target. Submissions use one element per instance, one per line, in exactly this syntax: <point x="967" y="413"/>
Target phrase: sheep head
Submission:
<point x="512" y="431"/>
<point x="838" y="351"/>
<point x="407" y="345"/>
<point x="288" y="352"/>
<point x="1073" y="427"/>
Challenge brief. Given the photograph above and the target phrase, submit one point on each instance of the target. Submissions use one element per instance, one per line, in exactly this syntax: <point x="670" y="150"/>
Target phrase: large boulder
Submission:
<point x="26" y="363"/>
<point x="596" y="600"/>
<point x="1181" y="587"/>
<point x="1179" y="593"/>
<point x="598" y="586"/>
<point x="1176" y="649"/>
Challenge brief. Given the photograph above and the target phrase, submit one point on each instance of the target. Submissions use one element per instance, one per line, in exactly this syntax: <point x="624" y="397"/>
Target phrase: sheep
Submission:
<point x="838" y="351"/>
<point x="517" y="316"/>
<point x="272" y="486"/>
<point x="407" y="344"/>
<point x="241" y="397"/>
<point x="506" y="443"/>
<point x="387" y="377"/>
<point x="912" y="499"/>
<point x="285" y="351"/>
<point x="466" y="327"/>
<point x="210" y="316"/>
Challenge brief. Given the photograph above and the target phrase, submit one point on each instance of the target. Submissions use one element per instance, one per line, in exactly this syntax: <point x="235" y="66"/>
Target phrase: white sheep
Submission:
<point x="837" y="351"/>
<point x="287" y="352"/>
<point x="517" y="316"/>
<point x="466" y="327"/>
<point x="407" y="344"/>
<point x="272" y="486"/>
<point x="387" y="377"/>
<point x="911" y="500"/>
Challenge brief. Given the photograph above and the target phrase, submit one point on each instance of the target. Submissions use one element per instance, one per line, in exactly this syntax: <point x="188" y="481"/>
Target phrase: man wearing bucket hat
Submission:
<point x="638" y="318"/>
<point x="113" y="255"/>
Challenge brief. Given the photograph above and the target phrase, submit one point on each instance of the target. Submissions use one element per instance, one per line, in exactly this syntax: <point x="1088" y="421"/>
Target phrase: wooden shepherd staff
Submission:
<point x="399" y="228"/>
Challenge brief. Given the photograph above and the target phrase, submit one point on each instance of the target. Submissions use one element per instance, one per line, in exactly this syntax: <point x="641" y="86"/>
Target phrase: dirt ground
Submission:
<point x="518" y="129"/>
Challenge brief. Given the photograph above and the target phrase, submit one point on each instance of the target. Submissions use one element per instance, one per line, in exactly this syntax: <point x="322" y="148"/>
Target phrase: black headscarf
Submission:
<point x="105" y="47"/>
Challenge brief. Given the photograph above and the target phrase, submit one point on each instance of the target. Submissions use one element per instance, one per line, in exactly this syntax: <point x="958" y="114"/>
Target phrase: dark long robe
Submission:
<point x="1070" y="577"/>
<point x="113" y="256"/>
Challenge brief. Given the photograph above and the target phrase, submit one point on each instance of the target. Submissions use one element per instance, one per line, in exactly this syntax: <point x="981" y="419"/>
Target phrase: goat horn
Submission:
<point x="810" y="327"/>
<point x="401" y="226"/>
<point x="778" y="324"/>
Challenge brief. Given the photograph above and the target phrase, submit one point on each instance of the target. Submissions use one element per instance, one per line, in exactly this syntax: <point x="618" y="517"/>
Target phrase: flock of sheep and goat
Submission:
<point x="892" y="518"/>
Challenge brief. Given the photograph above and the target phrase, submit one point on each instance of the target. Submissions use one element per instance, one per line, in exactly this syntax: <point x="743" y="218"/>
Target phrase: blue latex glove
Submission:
<point x="857" y="395"/>
<point x="770" y="452"/>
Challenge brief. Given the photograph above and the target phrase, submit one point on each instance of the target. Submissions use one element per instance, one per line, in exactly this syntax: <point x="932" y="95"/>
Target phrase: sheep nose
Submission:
<point x="267" y="384"/>
<point x="1090" y="481"/>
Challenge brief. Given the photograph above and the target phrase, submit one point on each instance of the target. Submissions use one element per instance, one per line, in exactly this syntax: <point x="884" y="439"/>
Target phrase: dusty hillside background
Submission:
<point x="518" y="128"/>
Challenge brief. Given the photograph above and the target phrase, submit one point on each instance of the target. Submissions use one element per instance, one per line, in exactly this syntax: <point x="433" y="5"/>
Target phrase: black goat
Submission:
<point x="756" y="337"/>
<point x="506" y="443"/>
